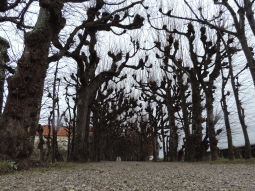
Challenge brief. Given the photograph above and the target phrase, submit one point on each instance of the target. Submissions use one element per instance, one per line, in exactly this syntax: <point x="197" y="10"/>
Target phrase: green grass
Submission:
<point x="62" y="166"/>
<point x="7" y="167"/>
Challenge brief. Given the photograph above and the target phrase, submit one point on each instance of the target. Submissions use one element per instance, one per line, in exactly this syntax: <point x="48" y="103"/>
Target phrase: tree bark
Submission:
<point x="81" y="125"/>
<point x="41" y="142"/>
<point x="155" y="142"/>
<point x="210" y="125"/>
<point x="3" y="5"/>
<point x="95" y="151"/>
<point x="189" y="152"/>
<point x="173" y="142"/>
<point x="4" y="45"/>
<point x="25" y="87"/>
<point x="196" y="137"/>
<point x="231" y="154"/>
<point x="163" y="141"/>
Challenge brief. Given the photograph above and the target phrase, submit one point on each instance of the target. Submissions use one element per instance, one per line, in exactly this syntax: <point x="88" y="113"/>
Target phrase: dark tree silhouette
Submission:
<point x="25" y="87"/>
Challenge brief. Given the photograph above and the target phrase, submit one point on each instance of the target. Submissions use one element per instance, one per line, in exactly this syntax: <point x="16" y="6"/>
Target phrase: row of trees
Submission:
<point x="177" y="101"/>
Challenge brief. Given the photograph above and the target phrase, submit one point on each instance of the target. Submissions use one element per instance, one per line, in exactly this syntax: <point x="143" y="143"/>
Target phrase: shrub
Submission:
<point x="7" y="166"/>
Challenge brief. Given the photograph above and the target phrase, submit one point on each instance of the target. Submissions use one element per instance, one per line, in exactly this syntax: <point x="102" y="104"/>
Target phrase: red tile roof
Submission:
<point x="61" y="132"/>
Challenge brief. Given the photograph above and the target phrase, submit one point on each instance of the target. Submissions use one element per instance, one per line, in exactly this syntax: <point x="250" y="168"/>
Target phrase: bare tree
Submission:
<point x="224" y="106"/>
<point x="207" y="66"/>
<point x="25" y="87"/>
<point x="238" y="11"/>
<point x="240" y="110"/>
<point x="56" y="119"/>
<point x="71" y="112"/>
<point x="167" y="92"/>
<point x="88" y="63"/>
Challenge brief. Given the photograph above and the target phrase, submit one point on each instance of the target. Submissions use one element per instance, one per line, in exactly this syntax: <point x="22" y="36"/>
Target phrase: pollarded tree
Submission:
<point x="88" y="63"/>
<point x="207" y="65"/>
<point x="155" y="126"/>
<point x="183" y="77"/>
<point x="112" y="108"/>
<point x="186" y="76"/>
<point x="164" y="93"/>
<point x="231" y="18"/>
<point x="169" y="51"/>
<point x="25" y="87"/>
<point x="106" y="108"/>
<point x="142" y="127"/>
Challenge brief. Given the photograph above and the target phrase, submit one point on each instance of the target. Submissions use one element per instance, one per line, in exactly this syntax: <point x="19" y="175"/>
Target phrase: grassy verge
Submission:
<point x="7" y="167"/>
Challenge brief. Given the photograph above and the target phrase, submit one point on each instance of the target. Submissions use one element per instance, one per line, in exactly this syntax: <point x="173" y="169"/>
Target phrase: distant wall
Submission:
<point x="62" y="142"/>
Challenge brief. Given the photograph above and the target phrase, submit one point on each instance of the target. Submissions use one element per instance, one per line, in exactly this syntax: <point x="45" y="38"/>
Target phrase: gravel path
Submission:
<point x="136" y="176"/>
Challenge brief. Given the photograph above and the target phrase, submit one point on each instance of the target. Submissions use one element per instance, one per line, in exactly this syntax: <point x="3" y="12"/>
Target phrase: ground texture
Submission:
<point x="144" y="176"/>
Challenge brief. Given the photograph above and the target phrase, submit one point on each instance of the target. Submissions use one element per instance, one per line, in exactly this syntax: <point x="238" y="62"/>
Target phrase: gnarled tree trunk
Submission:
<point x="196" y="137"/>
<point x="80" y="151"/>
<point x="21" y="114"/>
<point x="173" y="142"/>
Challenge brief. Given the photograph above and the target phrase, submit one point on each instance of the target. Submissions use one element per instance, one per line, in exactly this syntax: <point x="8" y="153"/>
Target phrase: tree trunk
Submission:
<point x="189" y="155"/>
<point x="81" y="143"/>
<point x="69" y="141"/>
<point x="155" y="142"/>
<point x="167" y="148"/>
<point x="210" y="125"/>
<point x="3" y="5"/>
<point x="163" y="141"/>
<point x="241" y="116"/>
<point x="41" y="142"/>
<point x="95" y="149"/>
<point x="231" y="154"/>
<point x="25" y="87"/>
<point x="196" y="137"/>
<point x="188" y="148"/>
<point x="173" y="142"/>
<point x="81" y="123"/>
<point x="48" y="142"/>
<point x="240" y="112"/>
<point x="73" y="129"/>
<point x="4" y="45"/>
